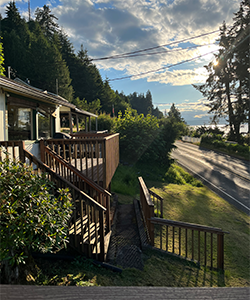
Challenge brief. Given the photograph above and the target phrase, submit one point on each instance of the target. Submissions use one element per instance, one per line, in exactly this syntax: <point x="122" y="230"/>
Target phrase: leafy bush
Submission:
<point x="145" y="139"/>
<point x="105" y="122"/>
<point x="177" y="175"/>
<point x="31" y="218"/>
<point x="136" y="134"/>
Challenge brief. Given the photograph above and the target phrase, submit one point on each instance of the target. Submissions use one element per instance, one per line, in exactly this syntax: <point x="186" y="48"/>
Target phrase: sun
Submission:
<point x="215" y="62"/>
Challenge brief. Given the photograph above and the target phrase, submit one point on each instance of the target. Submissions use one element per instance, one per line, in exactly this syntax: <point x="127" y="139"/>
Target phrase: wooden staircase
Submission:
<point x="90" y="223"/>
<point x="85" y="226"/>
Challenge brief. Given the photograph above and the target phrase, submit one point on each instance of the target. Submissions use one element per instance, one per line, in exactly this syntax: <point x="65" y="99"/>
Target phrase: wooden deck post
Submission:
<point x="42" y="150"/>
<point x="21" y="153"/>
<point x="108" y="213"/>
<point x="102" y="234"/>
<point x="220" y="251"/>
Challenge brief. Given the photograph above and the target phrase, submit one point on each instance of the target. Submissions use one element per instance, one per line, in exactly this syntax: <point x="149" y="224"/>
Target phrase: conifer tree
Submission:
<point x="227" y="85"/>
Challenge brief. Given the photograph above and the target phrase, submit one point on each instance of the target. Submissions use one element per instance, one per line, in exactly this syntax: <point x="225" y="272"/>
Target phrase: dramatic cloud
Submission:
<point x="106" y="28"/>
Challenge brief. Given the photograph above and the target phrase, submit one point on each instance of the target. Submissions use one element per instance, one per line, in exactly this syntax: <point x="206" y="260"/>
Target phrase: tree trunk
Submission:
<point x="230" y="108"/>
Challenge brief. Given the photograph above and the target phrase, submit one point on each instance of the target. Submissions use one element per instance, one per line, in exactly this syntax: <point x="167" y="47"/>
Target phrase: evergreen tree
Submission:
<point x="1" y="59"/>
<point x="47" y="21"/>
<point x="227" y="86"/>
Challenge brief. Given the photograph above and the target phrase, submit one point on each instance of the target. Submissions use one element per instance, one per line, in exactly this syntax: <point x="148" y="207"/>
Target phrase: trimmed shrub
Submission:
<point x="32" y="219"/>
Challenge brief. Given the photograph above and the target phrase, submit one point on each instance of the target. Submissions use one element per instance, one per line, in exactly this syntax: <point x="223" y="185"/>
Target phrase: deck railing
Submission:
<point x="201" y="244"/>
<point x="147" y="208"/>
<point x="14" y="150"/>
<point x="158" y="204"/>
<point x="96" y="155"/>
<point x="67" y="171"/>
<point x="87" y="222"/>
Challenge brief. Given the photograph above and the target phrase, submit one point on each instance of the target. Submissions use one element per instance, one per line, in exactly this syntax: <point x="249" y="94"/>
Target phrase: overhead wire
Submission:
<point x="155" y="47"/>
<point x="163" y="68"/>
<point x="161" y="52"/>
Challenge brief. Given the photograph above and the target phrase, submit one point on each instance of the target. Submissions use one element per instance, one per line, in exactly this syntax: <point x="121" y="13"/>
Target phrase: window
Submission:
<point x="44" y="128"/>
<point x="19" y="123"/>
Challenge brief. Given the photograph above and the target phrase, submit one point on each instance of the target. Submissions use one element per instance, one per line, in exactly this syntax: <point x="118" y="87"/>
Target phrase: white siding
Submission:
<point x="2" y="117"/>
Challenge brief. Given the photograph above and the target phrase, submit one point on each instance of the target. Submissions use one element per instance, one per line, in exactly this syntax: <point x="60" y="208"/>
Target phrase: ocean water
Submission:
<point x="223" y="127"/>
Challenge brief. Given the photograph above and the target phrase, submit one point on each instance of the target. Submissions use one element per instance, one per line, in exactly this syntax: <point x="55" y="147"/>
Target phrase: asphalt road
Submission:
<point x="227" y="176"/>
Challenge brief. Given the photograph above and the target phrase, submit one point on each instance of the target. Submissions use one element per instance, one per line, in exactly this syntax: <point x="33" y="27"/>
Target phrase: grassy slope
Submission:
<point x="199" y="205"/>
<point x="182" y="203"/>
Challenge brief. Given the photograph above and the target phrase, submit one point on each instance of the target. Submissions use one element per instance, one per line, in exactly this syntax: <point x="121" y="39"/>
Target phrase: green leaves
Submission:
<point x="31" y="217"/>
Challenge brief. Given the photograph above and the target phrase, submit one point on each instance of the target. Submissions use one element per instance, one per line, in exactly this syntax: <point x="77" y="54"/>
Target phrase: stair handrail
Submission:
<point x="76" y="171"/>
<point x="42" y="166"/>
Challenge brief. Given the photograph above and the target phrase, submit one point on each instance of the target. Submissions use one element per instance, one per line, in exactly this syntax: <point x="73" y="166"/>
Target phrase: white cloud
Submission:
<point x="107" y="28"/>
<point x="180" y="77"/>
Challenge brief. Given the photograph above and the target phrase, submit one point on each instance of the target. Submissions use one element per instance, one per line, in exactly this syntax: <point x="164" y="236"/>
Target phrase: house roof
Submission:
<point x="22" y="88"/>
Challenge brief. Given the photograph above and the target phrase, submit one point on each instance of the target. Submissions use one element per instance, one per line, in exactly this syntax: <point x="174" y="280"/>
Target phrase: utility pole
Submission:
<point x="29" y="9"/>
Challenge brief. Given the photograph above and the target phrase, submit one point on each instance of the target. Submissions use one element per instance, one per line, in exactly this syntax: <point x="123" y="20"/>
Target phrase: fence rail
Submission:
<point x="67" y="171"/>
<point x="199" y="243"/>
<point x="86" y="213"/>
<point x="158" y="203"/>
<point x="14" y="150"/>
<point x="96" y="155"/>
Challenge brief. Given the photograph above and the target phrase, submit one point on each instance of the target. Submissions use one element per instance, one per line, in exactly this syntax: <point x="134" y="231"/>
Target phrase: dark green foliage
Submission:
<point x="227" y="85"/>
<point x="145" y="139"/>
<point x="105" y="122"/>
<point x="1" y="59"/>
<point x="32" y="219"/>
<point x="136" y="134"/>
<point x="198" y="132"/>
<point x="143" y="104"/>
<point x="217" y="142"/>
<point x="47" y="21"/>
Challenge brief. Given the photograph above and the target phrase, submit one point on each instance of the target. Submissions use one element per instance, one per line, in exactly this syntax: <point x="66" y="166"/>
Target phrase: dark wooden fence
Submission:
<point x="201" y="244"/>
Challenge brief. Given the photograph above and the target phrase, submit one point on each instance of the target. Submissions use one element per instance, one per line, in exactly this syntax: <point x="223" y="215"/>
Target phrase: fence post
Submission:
<point x="42" y="151"/>
<point x="21" y="152"/>
<point x="151" y="228"/>
<point x="102" y="234"/>
<point x="220" y="251"/>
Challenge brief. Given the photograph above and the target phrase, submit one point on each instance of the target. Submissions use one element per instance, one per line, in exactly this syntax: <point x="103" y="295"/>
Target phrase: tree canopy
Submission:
<point x="41" y="51"/>
<point x="227" y="85"/>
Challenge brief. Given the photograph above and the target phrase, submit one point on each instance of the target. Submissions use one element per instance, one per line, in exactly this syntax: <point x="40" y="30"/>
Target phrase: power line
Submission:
<point x="158" y="52"/>
<point x="152" y="48"/>
<point x="163" y="68"/>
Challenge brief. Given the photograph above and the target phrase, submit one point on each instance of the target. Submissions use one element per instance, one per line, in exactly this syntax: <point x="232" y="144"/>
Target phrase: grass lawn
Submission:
<point x="187" y="202"/>
<point x="199" y="205"/>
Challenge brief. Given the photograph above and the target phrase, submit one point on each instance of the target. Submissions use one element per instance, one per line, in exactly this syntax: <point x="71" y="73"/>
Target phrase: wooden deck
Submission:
<point x="25" y="292"/>
<point x="92" y="168"/>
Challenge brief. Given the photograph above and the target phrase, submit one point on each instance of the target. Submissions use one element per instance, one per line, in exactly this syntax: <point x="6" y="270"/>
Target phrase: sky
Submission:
<point x="108" y="28"/>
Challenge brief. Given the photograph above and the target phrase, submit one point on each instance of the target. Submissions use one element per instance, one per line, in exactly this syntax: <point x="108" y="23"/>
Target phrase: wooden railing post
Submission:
<point x="220" y="251"/>
<point x="151" y="227"/>
<point x="102" y="234"/>
<point x="42" y="150"/>
<point x="21" y="152"/>
<point x="108" y="222"/>
<point x="147" y="208"/>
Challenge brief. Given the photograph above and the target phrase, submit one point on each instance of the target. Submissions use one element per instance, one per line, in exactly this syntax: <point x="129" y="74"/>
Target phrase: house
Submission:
<point x="29" y="114"/>
<point x="84" y="163"/>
